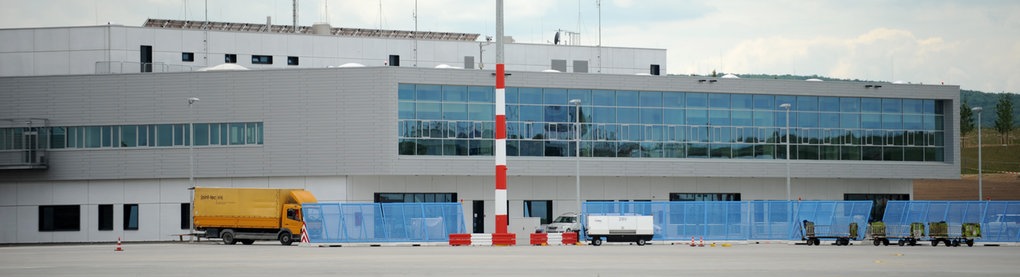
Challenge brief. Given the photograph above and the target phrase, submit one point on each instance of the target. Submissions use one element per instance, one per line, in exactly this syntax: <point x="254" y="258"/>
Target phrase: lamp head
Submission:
<point x="575" y="102"/>
<point x="976" y="109"/>
<point x="785" y="106"/>
<point x="192" y="100"/>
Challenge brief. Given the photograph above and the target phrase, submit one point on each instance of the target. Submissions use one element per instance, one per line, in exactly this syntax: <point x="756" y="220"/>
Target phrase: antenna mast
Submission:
<point x="415" y="35"/>
<point x="295" y="16"/>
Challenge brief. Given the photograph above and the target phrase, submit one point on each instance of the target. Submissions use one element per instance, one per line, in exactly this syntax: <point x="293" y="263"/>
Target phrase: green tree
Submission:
<point x="966" y="121"/>
<point x="1004" y="117"/>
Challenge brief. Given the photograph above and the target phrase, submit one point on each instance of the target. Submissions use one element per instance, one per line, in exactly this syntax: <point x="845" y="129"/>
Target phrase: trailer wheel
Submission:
<point x="286" y="238"/>
<point x="935" y="243"/>
<point x="877" y="242"/>
<point x="948" y="243"/>
<point x="641" y="242"/>
<point x="885" y="242"/>
<point x="248" y="241"/>
<point x="596" y="241"/>
<point x="228" y="237"/>
<point x="817" y="241"/>
<point x="970" y="243"/>
<point x="913" y="242"/>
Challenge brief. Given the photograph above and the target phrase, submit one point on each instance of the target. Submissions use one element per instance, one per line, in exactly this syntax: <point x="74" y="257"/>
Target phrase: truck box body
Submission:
<point x="255" y="213"/>
<point x="620" y="228"/>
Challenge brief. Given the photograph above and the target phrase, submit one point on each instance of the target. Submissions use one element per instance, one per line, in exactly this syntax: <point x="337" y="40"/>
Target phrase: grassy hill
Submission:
<point x="995" y="156"/>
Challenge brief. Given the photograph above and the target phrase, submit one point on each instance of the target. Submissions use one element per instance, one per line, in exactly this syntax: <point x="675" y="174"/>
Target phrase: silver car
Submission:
<point x="566" y="222"/>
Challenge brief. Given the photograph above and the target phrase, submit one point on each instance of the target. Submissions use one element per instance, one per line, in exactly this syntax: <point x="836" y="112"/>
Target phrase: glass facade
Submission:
<point x="444" y="120"/>
<point x="147" y="135"/>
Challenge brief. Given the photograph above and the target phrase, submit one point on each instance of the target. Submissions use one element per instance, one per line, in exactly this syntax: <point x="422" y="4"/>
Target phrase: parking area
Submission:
<point x="268" y="259"/>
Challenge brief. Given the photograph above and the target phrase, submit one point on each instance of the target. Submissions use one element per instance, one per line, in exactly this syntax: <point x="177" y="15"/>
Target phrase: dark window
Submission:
<point x="879" y="200"/>
<point x="185" y="216"/>
<point x="292" y="60"/>
<point x="394" y="60"/>
<point x="145" y="58"/>
<point x="230" y="58"/>
<point x="681" y="196"/>
<point x="187" y="57"/>
<point x="130" y="216"/>
<point x="60" y="218"/>
<point x="261" y="59"/>
<point x="654" y="70"/>
<point x="409" y="197"/>
<point x="105" y="217"/>
<point x="539" y="208"/>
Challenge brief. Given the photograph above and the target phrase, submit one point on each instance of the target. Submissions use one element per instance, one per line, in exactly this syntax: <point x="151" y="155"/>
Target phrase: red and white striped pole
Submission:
<point x="501" y="218"/>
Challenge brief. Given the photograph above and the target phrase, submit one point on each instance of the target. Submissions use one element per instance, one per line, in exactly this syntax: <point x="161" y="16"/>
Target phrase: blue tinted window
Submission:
<point x="482" y="94"/>
<point x="871" y="121"/>
<point x="806" y="103"/>
<point x="828" y="104"/>
<point x="719" y="117"/>
<point x="627" y="98"/>
<point x="406" y="91"/>
<point x="673" y="116"/>
<point x="912" y="122"/>
<point x="912" y="106"/>
<point x="555" y="96"/>
<point x="872" y="105"/>
<point x="764" y="119"/>
<point x="929" y="122"/>
<point x="929" y="106"/>
<point x="850" y="120"/>
<point x="805" y="119"/>
<point x="891" y="105"/>
<point x="673" y="99"/>
<point x="511" y="95"/>
<point x="741" y="118"/>
<point x="719" y="100"/>
<point x="697" y="116"/>
<point x="740" y="101"/>
<point x="697" y="100"/>
<point x="651" y="99"/>
<point x="532" y="113"/>
<point x="429" y="93"/>
<point x="530" y="95"/>
<point x="481" y="112"/>
<point x="512" y="112"/>
<point x="429" y="110"/>
<point x="628" y="115"/>
<point x="603" y="115"/>
<point x="782" y="99"/>
<point x="850" y="105"/>
<point x="892" y="121"/>
<point x="406" y="110"/>
<point x="765" y="102"/>
<point x="455" y="93"/>
<point x="651" y="115"/>
<point x="828" y="120"/>
<point x="583" y="94"/>
<point x="557" y="113"/>
<point x="603" y="97"/>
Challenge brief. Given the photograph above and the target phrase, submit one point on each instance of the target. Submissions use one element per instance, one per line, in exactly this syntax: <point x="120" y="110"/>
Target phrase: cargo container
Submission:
<point x="620" y="228"/>
<point x="249" y="214"/>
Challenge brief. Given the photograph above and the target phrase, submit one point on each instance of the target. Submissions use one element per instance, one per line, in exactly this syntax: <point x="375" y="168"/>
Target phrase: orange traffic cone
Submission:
<point x="304" y="235"/>
<point x="701" y="242"/>
<point x="118" y="245"/>
<point x="692" y="241"/>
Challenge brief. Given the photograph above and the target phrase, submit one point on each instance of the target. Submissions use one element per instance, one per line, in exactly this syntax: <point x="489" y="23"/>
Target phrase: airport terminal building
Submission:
<point x="92" y="154"/>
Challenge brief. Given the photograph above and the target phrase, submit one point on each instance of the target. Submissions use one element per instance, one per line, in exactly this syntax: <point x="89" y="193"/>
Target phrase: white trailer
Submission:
<point x="620" y="228"/>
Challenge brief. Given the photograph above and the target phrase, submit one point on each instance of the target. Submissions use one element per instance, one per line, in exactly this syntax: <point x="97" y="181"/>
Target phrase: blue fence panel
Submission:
<point x="382" y="222"/>
<point x="1000" y="220"/>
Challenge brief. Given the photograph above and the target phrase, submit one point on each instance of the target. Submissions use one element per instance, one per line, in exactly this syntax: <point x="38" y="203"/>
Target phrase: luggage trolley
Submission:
<point x="813" y="234"/>
<point x="903" y="234"/>
<point x="941" y="231"/>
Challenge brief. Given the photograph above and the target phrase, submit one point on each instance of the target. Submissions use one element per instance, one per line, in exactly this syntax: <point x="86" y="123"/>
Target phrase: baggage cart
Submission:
<point x="947" y="234"/>
<point x="813" y="234"/>
<point x="882" y="234"/>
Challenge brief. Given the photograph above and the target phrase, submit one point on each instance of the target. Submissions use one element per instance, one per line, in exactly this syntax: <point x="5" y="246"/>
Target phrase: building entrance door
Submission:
<point x="478" y="218"/>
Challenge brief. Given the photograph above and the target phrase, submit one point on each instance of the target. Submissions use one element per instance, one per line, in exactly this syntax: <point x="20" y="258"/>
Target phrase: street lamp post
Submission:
<point x="191" y="142"/>
<point x="980" y="185"/>
<point x="786" y="106"/>
<point x="577" y="151"/>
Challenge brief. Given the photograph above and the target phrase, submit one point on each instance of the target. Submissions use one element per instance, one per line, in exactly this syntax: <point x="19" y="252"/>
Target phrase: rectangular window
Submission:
<point x="214" y="134"/>
<point x="164" y="135"/>
<point x="539" y="208"/>
<point x="230" y="58"/>
<point x="261" y="59"/>
<point x="394" y="60"/>
<point x="60" y="218"/>
<point x="292" y="60"/>
<point x="106" y="217"/>
<point x="187" y="57"/>
<point x="683" y="196"/>
<point x="236" y="133"/>
<point x="402" y="197"/>
<point x="185" y="216"/>
<point x="201" y="134"/>
<point x="130" y="216"/>
<point x="128" y="136"/>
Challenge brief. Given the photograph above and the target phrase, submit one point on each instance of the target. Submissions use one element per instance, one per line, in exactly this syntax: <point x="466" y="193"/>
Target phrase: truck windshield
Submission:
<point x="565" y="219"/>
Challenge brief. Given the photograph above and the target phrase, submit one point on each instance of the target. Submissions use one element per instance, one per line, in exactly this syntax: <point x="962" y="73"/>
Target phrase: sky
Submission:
<point x="971" y="43"/>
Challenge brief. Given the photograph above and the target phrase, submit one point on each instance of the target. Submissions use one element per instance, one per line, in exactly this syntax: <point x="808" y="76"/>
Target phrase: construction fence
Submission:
<point x="1000" y="220"/>
<point x="737" y="220"/>
<point x="382" y="222"/>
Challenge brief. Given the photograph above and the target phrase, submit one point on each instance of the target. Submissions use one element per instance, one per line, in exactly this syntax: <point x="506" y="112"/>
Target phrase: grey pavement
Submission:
<point x="270" y="259"/>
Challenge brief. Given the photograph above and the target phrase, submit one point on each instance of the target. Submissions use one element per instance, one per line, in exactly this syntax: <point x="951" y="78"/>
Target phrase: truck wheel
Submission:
<point x="641" y="242"/>
<point x="885" y="242"/>
<point x="596" y="241"/>
<point x="901" y="242"/>
<point x="286" y="238"/>
<point x="877" y="242"/>
<point x="970" y="243"/>
<point x="228" y="237"/>
<point x="248" y="241"/>
<point x="935" y="243"/>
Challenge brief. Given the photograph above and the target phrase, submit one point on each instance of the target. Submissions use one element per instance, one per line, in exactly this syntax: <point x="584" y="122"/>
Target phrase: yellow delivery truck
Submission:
<point x="248" y="214"/>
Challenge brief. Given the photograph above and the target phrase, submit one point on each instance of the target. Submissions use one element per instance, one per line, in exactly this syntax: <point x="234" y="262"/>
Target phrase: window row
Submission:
<point x="232" y="58"/>
<point x="465" y="147"/>
<point x="667" y="133"/>
<point x="406" y="197"/>
<point x="68" y="217"/>
<point x="156" y="135"/>
<point x="626" y="98"/>
<point x="693" y="116"/>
